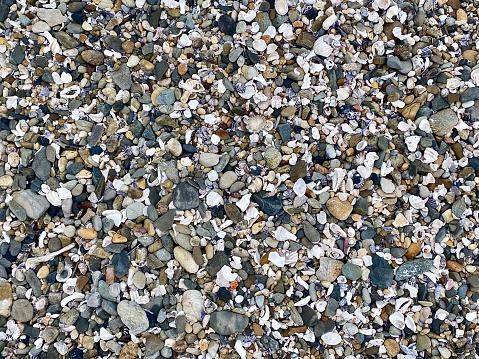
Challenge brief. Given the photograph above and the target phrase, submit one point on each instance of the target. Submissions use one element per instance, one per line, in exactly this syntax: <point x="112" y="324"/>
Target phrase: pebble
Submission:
<point x="133" y="316"/>
<point x="33" y="204"/>
<point x="185" y="259"/>
<point x="185" y="196"/>
<point x="22" y="310"/>
<point x="226" y="322"/>
<point x="339" y="209"/>
<point x="192" y="303"/>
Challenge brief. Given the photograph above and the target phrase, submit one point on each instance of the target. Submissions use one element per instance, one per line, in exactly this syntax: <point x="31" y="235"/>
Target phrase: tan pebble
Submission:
<point x="118" y="238"/>
<point x="461" y="15"/>
<point x="454" y="266"/>
<point x="392" y="347"/>
<point x="257" y="227"/>
<point x="87" y="233"/>
<point x="185" y="259"/>
<point x="13" y="159"/>
<point x="470" y="55"/>
<point x="413" y="250"/>
<point x="203" y="345"/>
<point x="258" y="331"/>
<point x="209" y="251"/>
<point x="83" y="174"/>
<point x="339" y="209"/>
<point x="6" y="181"/>
<point x="129" y="351"/>
<point x="43" y="272"/>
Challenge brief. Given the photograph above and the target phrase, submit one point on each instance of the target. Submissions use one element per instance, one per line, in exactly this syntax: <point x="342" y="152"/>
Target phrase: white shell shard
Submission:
<point x="409" y="321"/>
<point x="282" y="234"/>
<point x="417" y="202"/>
<point x="184" y="41"/>
<point x="54" y="198"/>
<point x="281" y="7"/>
<point x="64" y="193"/>
<point x="331" y="338"/>
<point x="300" y="187"/>
<point x="276" y="259"/>
<point x="303" y="302"/>
<point x="114" y="215"/>
<point x="412" y="142"/>
<point x="105" y="334"/>
<point x="397" y="319"/>
<point x="254" y="123"/>
<point x="214" y="199"/>
<point x="321" y="48"/>
<point x="430" y="155"/>
<point x="343" y="93"/>
<point x="225" y="277"/>
<point x="259" y="45"/>
<point x="475" y="76"/>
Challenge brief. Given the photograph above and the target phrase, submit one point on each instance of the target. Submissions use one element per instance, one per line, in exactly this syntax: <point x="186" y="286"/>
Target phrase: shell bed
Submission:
<point x="239" y="179"/>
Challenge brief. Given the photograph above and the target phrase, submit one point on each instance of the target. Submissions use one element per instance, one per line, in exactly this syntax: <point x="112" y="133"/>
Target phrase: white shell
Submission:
<point x="329" y="22"/>
<point x="331" y="338"/>
<point x="300" y="187"/>
<point x="64" y="193"/>
<point x="281" y="7"/>
<point x="417" y="202"/>
<point x="249" y="92"/>
<point x="410" y="323"/>
<point x="276" y="259"/>
<point x="213" y="199"/>
<point x="282" y="234"/>
<point x="397" y="319"/>
<point x="54" y="198"/>
<point x="225" y="276"/>
<point x="322" y="49"/>
<point x="430" y="155"/>
<point x="475" y="76"/>
<point x="114" y="215"/>
<point x="184" y="41"/>
<point x="255" y="123"/>
<point x="343" y="93"/>
<point x="259" y="45"/>
<point x="383" y="4"/>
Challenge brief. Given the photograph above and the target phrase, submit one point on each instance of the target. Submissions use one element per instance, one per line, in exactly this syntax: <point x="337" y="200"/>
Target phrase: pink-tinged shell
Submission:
<point x="281" y="7"/>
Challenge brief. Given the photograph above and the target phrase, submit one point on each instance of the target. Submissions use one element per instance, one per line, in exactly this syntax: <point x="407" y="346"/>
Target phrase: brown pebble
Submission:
<point x="457" y="149"/>
<point x="81" y="282"/>
<point x="110" y="275"/>
<point x="454" y="266"/>
<point x="413" y="250"/>
<point x="180" y="346"/>
<point x="182" y="69"/>
<point x="198" y="256"/>
<point x="258" y="331"/>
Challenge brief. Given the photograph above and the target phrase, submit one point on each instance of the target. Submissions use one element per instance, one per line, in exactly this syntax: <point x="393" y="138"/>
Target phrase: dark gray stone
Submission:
<point x="471" y="94"/>
<point x="381" y="272"/>
<point x="186" y="196"/>
<point x="40" y="165"/>
<point x="269" y="205"/>
<point x="122" y="77"/>
<point x="413" y="268"/>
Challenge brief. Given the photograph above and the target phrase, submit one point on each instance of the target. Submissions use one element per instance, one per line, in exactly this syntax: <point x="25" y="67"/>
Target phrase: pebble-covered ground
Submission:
<point x="239" y="179"/>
